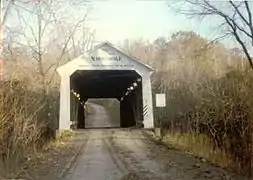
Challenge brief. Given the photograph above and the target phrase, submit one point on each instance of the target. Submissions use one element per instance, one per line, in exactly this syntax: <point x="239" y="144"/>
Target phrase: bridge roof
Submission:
<point x="123" y="52"/>
<point x="107" y="46"/>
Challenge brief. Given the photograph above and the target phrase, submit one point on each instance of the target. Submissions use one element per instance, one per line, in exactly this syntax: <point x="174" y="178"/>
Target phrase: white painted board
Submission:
<point x="160" y="100"/>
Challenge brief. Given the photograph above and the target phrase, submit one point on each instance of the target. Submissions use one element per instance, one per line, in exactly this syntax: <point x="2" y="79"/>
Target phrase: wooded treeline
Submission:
<point x="208" y="89"/>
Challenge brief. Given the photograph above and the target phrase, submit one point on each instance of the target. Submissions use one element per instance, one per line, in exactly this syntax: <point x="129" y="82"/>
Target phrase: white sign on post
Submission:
<point x="160" y="100"/>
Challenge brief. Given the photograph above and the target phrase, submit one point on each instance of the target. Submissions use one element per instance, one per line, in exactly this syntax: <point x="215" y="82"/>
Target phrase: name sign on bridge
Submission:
<point x="98" y="58"/>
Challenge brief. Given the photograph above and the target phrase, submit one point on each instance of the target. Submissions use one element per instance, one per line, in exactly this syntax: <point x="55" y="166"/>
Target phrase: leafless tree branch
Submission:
<point x="205" y="8"/>
<point x="250" y="18"/>
<point x="64" y="49"/>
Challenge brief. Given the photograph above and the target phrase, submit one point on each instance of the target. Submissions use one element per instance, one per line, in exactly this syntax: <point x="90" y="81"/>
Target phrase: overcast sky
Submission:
<point x="117" y="20"/>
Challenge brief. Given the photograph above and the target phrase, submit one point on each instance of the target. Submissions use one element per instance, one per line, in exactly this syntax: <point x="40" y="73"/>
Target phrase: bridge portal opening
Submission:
<point x="123" y="85"/>
<point x="102" y="113"/>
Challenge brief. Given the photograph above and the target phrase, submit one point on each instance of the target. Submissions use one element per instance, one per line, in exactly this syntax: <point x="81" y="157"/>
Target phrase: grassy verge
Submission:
<point x="200" y="146"/>
<point x="51" y="159"/>
<point x="64" y="135"/>
<point x="27" y="123"/>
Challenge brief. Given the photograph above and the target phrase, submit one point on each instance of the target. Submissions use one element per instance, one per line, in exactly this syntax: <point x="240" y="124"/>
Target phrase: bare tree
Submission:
<point x="47" y="32"/>
<point x="236" y="19"/>
<point x="5" y="9"/>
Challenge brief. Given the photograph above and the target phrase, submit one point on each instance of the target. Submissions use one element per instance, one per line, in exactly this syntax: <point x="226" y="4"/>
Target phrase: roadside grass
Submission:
<point x="63" y="135"/>
<point x="130" y="176"/>
<point x="212" y="119"/>
<point x="60" y="139"/>
<point x="27" y="125"/>
<point x="200" y="146"/>
<point x="50" y="153"/>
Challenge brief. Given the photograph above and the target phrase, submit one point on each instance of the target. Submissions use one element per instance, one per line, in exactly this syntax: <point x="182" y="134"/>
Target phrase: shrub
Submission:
<point x="25" y="123"/>
<point x="219" y="108"/>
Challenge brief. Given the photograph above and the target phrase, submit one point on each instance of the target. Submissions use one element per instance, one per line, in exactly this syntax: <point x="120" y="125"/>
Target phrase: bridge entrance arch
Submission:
<point x="106" y="72"/>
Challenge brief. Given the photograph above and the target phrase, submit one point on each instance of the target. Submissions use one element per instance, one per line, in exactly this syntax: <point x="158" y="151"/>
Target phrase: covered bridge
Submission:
<point x="106" y="72"/>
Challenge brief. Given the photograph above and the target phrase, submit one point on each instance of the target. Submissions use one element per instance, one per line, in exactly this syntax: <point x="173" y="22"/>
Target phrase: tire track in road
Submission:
<point x="113" y="153"/>
<point x="110" y="154"/>
<point x="133" y="156"/>
<point x="149" y="161"/>
<point x="97" y="160"/>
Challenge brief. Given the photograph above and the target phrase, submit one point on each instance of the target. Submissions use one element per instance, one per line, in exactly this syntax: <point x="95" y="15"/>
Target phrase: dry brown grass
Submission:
<point x="63" y="135"/>
<point x="214" y="121"/>
<point x="200" y="146"/>
<point x="50" y="161"/>
<point x="130" y="176"/>
<point x="24" y="124"/>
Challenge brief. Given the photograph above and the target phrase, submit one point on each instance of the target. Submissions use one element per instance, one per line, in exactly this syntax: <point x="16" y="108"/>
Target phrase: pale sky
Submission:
<point x="117" y="20"/>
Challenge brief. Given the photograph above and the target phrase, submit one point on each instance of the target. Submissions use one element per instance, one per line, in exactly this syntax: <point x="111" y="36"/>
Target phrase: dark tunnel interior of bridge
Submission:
<point x="124" y="85"/>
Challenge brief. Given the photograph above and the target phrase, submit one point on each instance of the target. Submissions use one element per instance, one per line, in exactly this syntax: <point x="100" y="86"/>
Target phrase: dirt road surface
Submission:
<point x="114" y="154"/>
<point x="100" y="118"/>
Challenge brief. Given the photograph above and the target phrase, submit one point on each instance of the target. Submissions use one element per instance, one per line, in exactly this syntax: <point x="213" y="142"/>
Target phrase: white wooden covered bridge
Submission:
<point x="106" y="72"/>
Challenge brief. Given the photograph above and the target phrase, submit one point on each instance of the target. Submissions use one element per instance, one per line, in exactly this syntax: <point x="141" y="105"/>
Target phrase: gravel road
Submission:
<point x="115" y="154"/>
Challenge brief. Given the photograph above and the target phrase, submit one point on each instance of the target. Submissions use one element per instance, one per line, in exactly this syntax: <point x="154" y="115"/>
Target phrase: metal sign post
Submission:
<point x="160" y="102"/>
